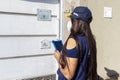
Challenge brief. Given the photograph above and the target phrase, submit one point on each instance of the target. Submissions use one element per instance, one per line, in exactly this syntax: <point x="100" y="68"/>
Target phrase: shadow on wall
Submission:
<point x="44" y="1"/>
<point x="112" y="74"/>
<point x="100" y="78"/>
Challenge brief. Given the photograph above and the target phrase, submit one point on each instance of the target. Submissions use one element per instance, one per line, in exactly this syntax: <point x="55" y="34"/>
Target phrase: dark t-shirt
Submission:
<point x="81" y="70"/>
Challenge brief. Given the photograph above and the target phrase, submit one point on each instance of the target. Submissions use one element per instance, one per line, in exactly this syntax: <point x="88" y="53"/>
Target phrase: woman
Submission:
<point x="77" y="60"/>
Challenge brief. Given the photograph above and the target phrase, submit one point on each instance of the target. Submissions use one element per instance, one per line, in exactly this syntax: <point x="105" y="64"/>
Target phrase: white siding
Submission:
<point x="21" y="35"/>
<point x="27" y="67"/>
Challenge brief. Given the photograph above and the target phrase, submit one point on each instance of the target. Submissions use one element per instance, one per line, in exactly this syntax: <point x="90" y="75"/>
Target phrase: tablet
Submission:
<point x="58" y="45"/>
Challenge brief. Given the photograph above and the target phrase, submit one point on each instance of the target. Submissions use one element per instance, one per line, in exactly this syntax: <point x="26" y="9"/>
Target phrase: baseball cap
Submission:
<point x="81" y="12"/>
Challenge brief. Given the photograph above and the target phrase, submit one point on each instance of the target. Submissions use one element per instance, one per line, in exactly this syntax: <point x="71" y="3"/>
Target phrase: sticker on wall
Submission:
<point x="108" y="12"/>
<point x="45" y="44"/>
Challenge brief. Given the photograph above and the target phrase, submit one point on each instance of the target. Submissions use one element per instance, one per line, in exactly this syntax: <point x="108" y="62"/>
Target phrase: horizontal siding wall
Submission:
<point x="21" y="37"/>
<point x="21" y="68"/>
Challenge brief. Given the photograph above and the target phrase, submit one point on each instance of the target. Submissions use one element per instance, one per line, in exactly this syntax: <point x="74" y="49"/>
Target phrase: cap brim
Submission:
<point x="68" y="15"/>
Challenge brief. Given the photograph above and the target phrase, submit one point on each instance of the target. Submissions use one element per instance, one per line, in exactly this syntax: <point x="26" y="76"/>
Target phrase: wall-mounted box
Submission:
<point x="44" y="15"/>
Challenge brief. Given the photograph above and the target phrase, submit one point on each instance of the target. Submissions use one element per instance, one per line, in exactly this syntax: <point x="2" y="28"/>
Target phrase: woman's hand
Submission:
<point x="57" y="55"/>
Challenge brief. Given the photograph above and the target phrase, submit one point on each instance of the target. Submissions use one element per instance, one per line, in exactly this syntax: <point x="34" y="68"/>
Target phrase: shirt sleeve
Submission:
<point x="72" y="53"/>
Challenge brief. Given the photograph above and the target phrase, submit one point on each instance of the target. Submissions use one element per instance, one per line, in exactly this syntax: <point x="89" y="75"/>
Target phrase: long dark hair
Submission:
<point x="82" y="27"/>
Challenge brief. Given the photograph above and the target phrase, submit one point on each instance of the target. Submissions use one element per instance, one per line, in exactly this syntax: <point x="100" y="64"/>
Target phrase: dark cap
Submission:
<point x="82" y="13"/>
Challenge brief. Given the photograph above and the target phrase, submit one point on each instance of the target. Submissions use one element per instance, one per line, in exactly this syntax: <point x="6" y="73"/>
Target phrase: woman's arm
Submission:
<point x="72" y="62"/>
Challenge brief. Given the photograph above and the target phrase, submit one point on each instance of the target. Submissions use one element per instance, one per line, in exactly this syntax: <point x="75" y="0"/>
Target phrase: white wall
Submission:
<point x="27" y="67"/>
<point x="21" y="35"/>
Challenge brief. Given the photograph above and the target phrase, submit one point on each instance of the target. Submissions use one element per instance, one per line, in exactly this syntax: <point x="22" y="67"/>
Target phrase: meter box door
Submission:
<point x="27" y="28"/>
